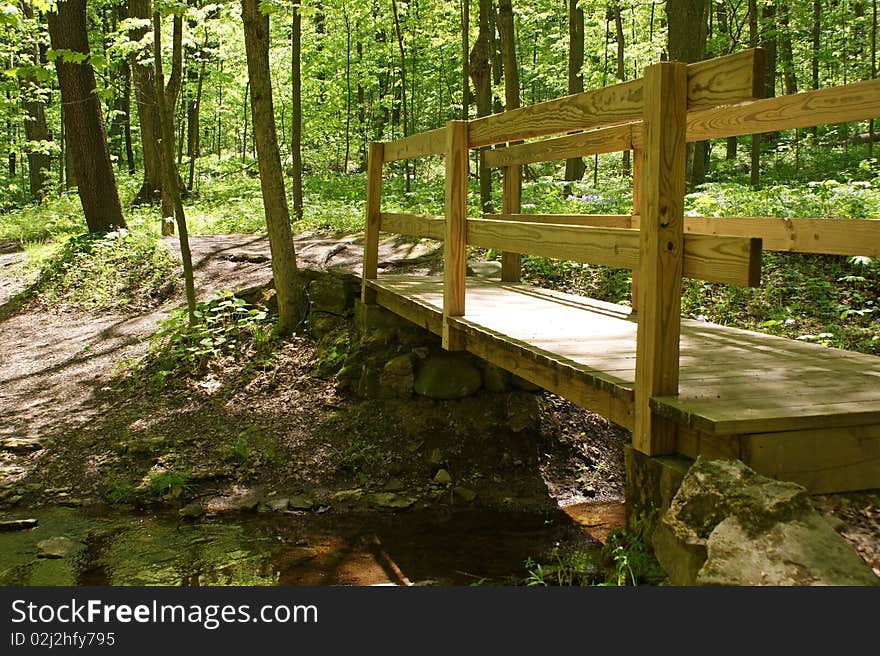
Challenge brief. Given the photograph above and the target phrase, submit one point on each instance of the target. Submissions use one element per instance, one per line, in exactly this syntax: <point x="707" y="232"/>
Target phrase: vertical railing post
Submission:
<point x="373" y="219"/>
<point x="661" y="252"/>
<point x="638" y="156"/>
<point x="455" y="243"/>
<point x="511" y="263"/>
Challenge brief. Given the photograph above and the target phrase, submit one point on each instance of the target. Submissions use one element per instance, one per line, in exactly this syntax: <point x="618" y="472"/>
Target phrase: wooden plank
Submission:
<point x="618" y="103"/>
<point x="511" y="263"/>
<point x="720" y="418"/>
<point x="594" y="142"/>
<point x="692" y="443"/>
<point x="823" y="461"/>
<point x="727" y="79"/>
<point x="859" y="101"/>
<point x="423" y="144"/>
<point x="566" y="381"/>
<point x="455" y="242"/>
<point x="828" y="236"/>
<point x="662" y="252"/>
<point x="608" y="246"/>
<point x="596" y="220"/>
<point x="417" y="225"/>
<point x="373" y="220"/>
<point x="409" y="308"/>
<point x="734" y="260"/>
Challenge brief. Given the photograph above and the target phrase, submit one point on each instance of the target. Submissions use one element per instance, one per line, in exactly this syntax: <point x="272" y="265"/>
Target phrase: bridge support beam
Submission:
<point x="661" y="252"/>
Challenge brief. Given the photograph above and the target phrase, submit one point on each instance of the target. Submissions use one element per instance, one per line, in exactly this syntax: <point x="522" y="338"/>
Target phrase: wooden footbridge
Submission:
<point x="791" y="410"/>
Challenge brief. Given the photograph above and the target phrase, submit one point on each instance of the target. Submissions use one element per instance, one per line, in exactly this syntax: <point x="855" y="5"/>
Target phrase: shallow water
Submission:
<point x="113" y="547"/>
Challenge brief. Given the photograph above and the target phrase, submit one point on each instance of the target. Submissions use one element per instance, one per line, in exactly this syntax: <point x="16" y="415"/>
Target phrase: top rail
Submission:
<point x="423" y="144"/>
<point x="724" y="80"/>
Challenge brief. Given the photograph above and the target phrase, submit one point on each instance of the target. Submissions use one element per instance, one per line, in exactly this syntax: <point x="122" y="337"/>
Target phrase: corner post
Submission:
<point x="455" y="243"/>
<point x="511" y="269"/>
<point x="375" y="160"/>
<point x="661" y="238"/>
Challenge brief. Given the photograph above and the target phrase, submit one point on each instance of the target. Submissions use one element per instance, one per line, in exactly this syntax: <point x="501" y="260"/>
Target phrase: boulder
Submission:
<point x="332" y="293"/>
<point x="443" y="477"/>
<point x="728" y="525"/>
<point x="495" y="379"/>
<point x="389" y="500"/>
<point x="300" y="502"/>
<point x="523" y="411"/>
<point x="464" y="494"/>
<point x="447" y="376"/>
<point x="57" y="547"/>
<point x="397" y="377"/>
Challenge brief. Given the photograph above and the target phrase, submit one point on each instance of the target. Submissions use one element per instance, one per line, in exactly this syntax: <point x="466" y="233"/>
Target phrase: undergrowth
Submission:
<point x="227" y="330"/>
<point x="120" y="270"/>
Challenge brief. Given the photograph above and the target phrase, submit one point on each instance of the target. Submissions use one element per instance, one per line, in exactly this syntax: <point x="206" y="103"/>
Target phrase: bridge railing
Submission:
<point x="654" y="117"/>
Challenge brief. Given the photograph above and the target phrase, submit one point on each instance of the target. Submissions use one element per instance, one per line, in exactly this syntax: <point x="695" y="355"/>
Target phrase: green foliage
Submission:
<point x="227" y="328"/>
<point x="121" y="270"/>
<point x="170" y="483"/>
<point x="566" y="568"/>
<point x="119" y="490"/>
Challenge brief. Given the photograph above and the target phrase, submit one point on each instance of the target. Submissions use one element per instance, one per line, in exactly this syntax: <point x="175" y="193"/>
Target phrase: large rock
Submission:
<point x="447" y="376"/>
<point x="728" y="525"/>
<point x="332" y="293"/>
<point x="397" y="377"/>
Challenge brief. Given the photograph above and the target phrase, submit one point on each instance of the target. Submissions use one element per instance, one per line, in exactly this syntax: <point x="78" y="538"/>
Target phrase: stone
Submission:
<point x="435" y="457"/>
<point x="333" y="294"/>
<point x="192" y="510"/>
<point x="347" y="495"/>
<point x="369" y="318"/>
<point x="728" y="525"/>
<point x="239" y="501"/>
<point x="389" y="500"/>
<point x="495" y="379"/>
<point x="524" y="385"/>
<point x="447" y="376"/>
<point x="17" y="524"/>
<point x="57" y="547"/>
<point x="397" y="378"/>
<point x="443" y="477"/>
<point x="523" y="411"/>
<point x="320" y="324"/>
<point x="461" y="493"/>
<point x="278" y="504"/>
<point x="394" y="485"/>
<point x="21" y="444"/>
<point x="300" y="502"/>
<point x="421" y="352"/>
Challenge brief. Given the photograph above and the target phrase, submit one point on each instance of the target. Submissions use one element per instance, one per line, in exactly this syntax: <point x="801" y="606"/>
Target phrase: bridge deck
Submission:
<point x="733" y="383"/>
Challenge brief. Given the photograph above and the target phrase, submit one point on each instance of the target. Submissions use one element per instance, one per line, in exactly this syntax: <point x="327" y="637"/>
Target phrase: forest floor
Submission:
<point x="80" y="428"/>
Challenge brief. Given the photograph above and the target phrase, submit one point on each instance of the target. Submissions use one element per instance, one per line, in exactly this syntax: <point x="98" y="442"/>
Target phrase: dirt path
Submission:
<point x="50" y="364"/>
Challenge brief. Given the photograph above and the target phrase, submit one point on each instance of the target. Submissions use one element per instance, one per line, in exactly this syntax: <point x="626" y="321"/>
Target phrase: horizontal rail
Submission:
<point x="415" y="225"/>
<point x="729" y="79"/>
<point x="820" y="236"/>
<point x="596" y="220"/>
<point x="423" y="144"/>
<point x="714" y="258"/>
<point x="816" y="236"/>
<point x="595" y="142"/>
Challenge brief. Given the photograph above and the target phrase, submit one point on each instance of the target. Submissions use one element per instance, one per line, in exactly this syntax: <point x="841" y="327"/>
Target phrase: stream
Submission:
<point x="106" y="546"/>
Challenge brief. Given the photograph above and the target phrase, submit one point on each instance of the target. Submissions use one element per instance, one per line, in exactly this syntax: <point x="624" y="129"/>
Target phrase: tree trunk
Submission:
<point x="171" y="179"/>
<point x="687" y="43"/>
<point x="814" y="60"/>
<point x="143" y="74"/>
<point x="465" y="58"/>
<point x="193" y="129"/>
<point x="481" y="76"/>
<point x="785" y="53"/>
<point x="296" y="114"/>
<point x="86" y="138"/>
<point x="621" y="70"/>
<point x="873" y="72"/>
<point x="35" y="126"/>
<point x="574" y="166"/>
<point x="256" y="39"/>
<point x="399" y="34"/>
